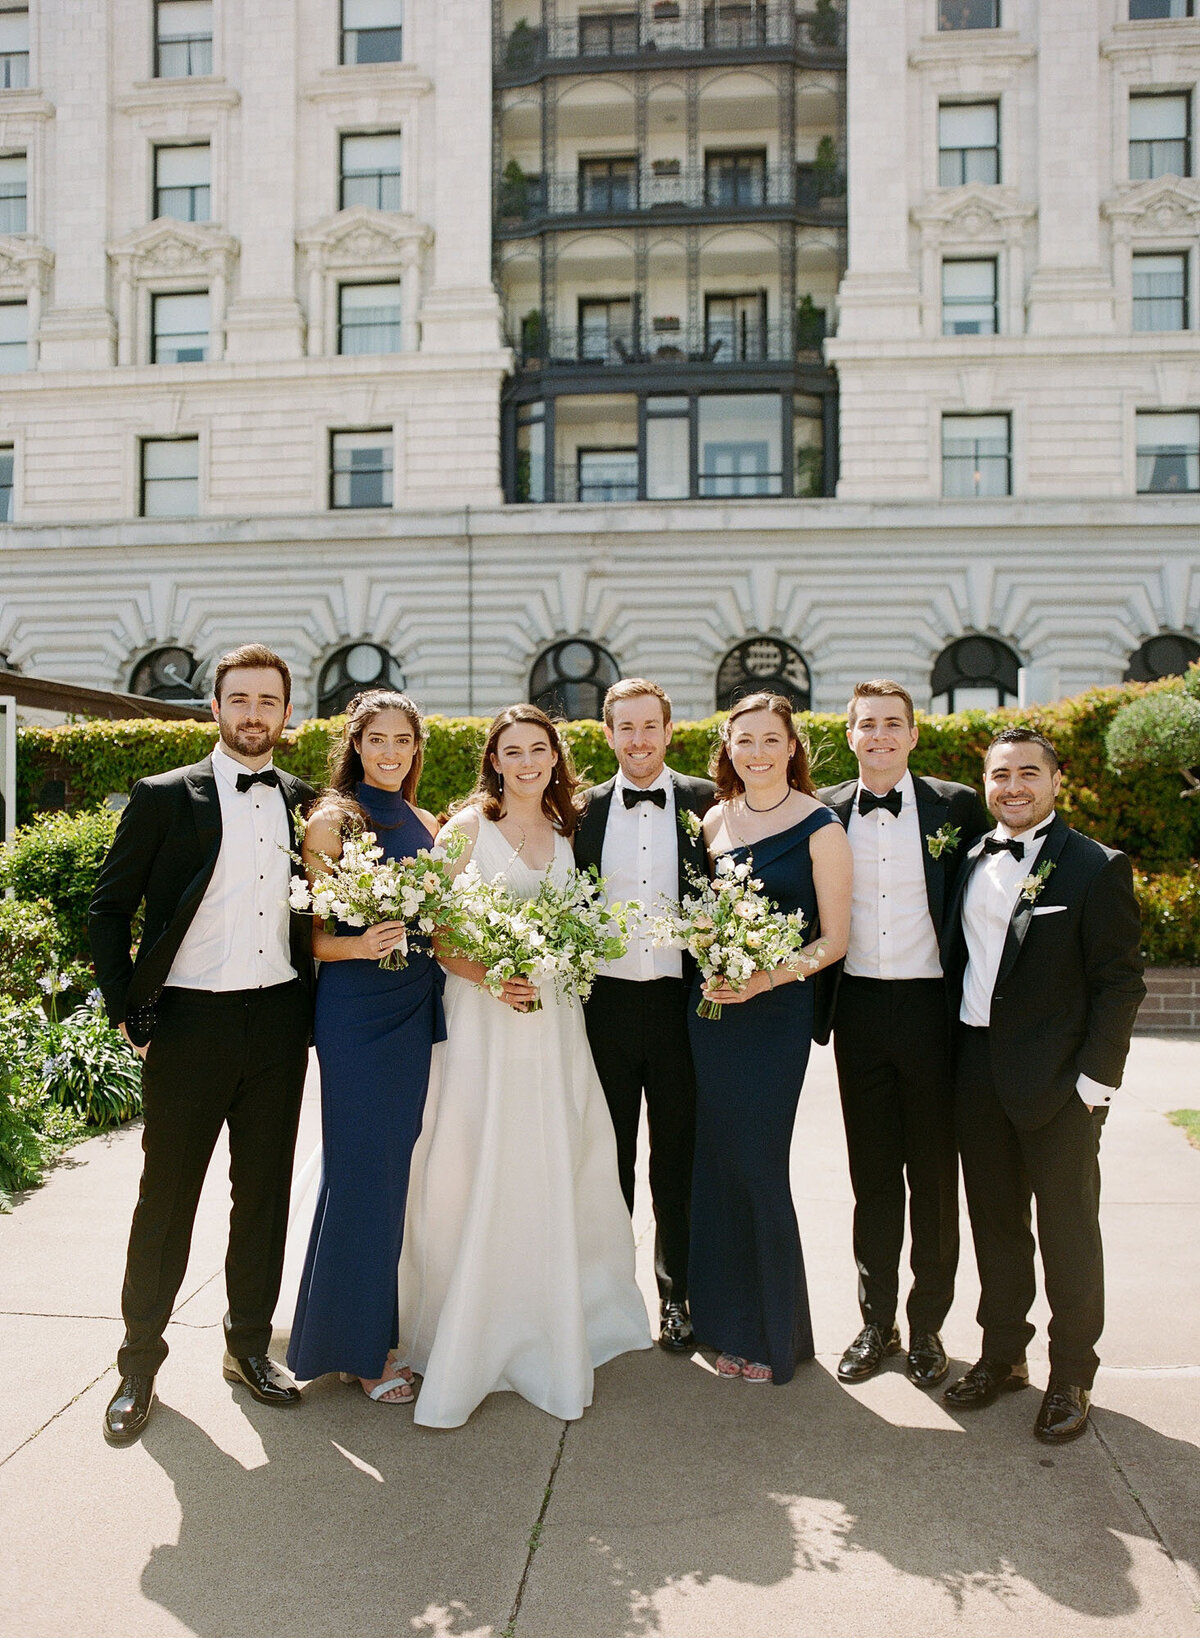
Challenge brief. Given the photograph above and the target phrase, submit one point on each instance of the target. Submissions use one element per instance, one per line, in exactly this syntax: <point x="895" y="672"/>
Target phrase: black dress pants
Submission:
<point x="235" y="1058"/>
<point x="892" y="1051"/>
<point x="639" y="1039"/>
<point x="1004" y="1167"/>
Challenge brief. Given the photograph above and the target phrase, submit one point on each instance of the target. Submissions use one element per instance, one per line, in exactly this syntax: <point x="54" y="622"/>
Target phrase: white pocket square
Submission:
<point x="1050" y="910"/>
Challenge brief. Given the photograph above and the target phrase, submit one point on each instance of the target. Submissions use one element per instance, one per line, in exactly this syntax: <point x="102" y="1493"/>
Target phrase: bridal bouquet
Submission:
<point x="562" y="934"/>
<point x="732" y="929"/>
<point x="363" y="887"/>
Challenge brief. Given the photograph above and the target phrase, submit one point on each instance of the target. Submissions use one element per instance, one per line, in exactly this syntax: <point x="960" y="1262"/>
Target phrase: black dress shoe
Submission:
<point x="927" y="1364"/>
<point x="675" y="1332"/>
<point x="263" y="1377"/>
<point x="129" y="1409"/>
<point x="984" y="1381"/>
<point x="867" y="1353"/>
<point x="1064" y="1412"/>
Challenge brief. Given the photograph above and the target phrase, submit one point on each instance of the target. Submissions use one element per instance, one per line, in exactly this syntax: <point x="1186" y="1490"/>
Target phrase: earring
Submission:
<point x="500" y="780"/>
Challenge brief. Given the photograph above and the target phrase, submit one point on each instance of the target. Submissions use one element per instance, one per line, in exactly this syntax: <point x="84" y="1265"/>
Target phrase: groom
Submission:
<point x="633" y="831"/>
<point x="218" y="1002"/>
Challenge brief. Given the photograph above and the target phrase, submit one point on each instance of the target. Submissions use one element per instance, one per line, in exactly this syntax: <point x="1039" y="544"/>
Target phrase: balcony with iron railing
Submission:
<point x="668" y="190"/>
<point x="665" y="344"/>
<point x="669" y="31"/>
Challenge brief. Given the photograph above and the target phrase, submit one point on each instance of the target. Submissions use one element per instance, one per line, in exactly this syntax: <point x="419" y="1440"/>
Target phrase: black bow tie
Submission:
<point x="632" y="797"/>
<point x="264" y="776"/>
<point x="868" y="802"/>
<point x="1005" y="844"/>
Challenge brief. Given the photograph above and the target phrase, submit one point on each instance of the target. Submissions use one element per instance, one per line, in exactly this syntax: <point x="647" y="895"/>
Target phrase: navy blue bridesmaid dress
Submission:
<point x="746" y="1268"/>
<point x="374" y="1034"/>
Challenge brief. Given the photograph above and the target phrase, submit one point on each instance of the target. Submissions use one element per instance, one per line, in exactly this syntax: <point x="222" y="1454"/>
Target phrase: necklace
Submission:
<point x="751" y="809"/>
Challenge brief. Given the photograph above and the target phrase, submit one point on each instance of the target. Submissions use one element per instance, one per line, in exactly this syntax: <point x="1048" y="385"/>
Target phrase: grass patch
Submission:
<point x="1188" y="1120"/>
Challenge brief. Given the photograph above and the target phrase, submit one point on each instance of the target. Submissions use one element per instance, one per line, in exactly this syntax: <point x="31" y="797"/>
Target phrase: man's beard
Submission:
<point x="249" y="739"/>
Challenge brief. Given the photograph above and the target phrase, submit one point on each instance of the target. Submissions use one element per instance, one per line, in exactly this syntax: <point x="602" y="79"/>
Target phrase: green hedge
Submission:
<point x="1170" y="917"/>
<point x="1140" y="812"/>
<point x="57" y="860"/>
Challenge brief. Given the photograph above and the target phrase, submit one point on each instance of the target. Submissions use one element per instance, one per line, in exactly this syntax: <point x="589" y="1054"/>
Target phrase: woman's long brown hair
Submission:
<point x="345" y="757"/>
<point x="558" y="799"/>
<point x="720" y="767"/>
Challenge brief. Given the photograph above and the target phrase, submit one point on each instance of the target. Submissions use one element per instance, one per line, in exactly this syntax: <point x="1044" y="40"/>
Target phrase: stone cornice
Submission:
<point x="154" y="96"/>
<point x="167" y="247"/>
<point x="1155" y="39"/>
<point x="973" y="210"/>
<point x="348" y="83"/>
<point x="361" y="237"/>
<point x="991" y="46"/>
<point x="25" y="105"/>
<point x="1166" y="205"/>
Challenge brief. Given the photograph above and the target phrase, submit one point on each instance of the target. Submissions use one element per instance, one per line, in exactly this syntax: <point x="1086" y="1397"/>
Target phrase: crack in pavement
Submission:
<point x="1189" y="1578"/>
<point x="535" y="1536"/>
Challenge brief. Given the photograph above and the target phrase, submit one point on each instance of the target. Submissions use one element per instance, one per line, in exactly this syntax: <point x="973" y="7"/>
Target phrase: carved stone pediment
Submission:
<point x="1165" y="206"/>
<point x="361" y="237"/>
<point x="973" y="211"/>
<point x="24" y="262"/>
<point x="165" y="247"/>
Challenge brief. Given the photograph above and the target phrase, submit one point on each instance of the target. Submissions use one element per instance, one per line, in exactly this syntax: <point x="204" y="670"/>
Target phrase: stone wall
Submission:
<point x="1172" y="1004"/>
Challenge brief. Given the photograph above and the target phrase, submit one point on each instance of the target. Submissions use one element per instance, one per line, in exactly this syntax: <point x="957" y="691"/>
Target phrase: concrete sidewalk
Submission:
<point x="680" y="1505"/>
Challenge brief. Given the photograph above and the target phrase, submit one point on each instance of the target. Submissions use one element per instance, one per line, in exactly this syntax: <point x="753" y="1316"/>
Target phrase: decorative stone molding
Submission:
<point x="997" y="48"/>
<point x="364" y="244"/>
<point x="209" y="92"/>
<point x="25" y="268"/>
<point x="162" y="257"/>
<point x="976" y="218"/>
<point x="1167" y="207"/>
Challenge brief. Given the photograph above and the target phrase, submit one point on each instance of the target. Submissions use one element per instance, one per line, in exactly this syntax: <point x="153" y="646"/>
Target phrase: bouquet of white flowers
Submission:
<point x="563" y="934"/>
<point x="362" y="887"/>
<point x="732" y="929"/>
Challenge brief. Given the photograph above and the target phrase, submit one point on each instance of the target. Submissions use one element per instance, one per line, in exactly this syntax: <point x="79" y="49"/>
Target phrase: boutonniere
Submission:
<point x="1031" y="887"/>
<point x="690" y="823"/>
<point x="948" y="837"/>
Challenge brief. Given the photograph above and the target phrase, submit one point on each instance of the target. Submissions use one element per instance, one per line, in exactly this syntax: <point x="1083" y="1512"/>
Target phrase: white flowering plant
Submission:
<point x="733" y="930"/>
<point x="362" y="887"/>
<point x="561" y="935"/>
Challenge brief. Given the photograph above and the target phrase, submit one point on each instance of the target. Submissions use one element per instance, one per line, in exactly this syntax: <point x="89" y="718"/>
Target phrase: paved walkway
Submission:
<point x="680" y="1505"/>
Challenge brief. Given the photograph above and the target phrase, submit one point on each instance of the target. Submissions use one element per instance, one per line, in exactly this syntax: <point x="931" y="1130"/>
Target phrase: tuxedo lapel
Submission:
<point x="589" y="834"/>
<point x="1022" y="914"/>
<point x="689" y="850"/>
<point x="932" y="813"/>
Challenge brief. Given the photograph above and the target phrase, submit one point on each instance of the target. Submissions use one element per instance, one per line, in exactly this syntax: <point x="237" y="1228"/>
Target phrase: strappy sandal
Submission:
<point x="397" y="1380"/>
<point x="752" y="1371"/>
<point x="730" y="1365"/>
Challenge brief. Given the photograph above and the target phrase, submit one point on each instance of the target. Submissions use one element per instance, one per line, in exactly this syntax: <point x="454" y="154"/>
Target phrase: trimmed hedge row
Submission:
<point x="1140" y="812"/>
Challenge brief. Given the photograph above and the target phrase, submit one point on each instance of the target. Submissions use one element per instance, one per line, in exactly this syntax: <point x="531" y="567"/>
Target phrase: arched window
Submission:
<point x="764" y="665"/>
<point x="974" y="674"/>
<point x="168" y="674"/>
<point x="351" y="669"/>
<point x="571" y="679"/>
<point x="1167" y="655"/>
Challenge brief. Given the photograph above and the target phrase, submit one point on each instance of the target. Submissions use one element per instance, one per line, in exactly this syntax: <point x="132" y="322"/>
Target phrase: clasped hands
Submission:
<point x="720" y="991"/>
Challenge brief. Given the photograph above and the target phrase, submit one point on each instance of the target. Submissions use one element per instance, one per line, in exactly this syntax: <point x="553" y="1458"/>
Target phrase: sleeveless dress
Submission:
<point x="518" y="1263"/>
<point x="746" y="1268"/>
<point x="374" y="1033"/>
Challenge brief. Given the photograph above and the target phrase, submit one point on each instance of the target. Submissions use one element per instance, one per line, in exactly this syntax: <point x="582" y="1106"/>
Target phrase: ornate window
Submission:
<point x="764" y="665"/>
<point x="571" y="678"/>
<point x="155" y="267"/>
<point x="974" y="674"/>
<point x="168" y="674"/>
<point x="1167" y="655"/>
<point x="351" y="669"/>
<point x="363" y="271"/>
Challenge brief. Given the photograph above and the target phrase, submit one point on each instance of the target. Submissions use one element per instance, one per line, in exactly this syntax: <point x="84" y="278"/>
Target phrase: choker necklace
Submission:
<point x="773" y="806"/>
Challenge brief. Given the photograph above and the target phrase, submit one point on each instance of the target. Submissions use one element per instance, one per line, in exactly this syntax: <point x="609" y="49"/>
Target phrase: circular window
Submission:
<point x="350" y="670"/>
<point x="974" y="674"/>
<point x="571" y="679"/>
<point x="1168" y="655"/>
<point x="168" y="674"/>
<point x="764" y="665"/>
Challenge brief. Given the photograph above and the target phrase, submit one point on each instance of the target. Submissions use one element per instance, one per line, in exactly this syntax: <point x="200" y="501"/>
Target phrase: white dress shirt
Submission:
<point x="988" y="906"/>
<point x="238" y="939"/>
<point x="891" y="932"/>
<point x="640" y="860"/>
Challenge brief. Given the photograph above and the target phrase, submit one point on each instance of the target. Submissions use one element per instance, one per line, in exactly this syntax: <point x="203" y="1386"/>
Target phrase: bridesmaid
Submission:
<point x="374" y="1032"/>
<point x="746" y="1269"/>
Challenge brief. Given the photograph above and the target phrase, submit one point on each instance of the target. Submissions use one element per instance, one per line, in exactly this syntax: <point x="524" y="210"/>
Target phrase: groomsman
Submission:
<point x="633" y="831"/>
<point x="1042" y="956"/>
<point x="218" y="1002"/>
<point x="886" y="1006"/>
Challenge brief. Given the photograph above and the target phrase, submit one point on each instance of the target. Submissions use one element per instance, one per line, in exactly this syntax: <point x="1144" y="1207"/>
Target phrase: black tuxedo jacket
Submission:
<point x="939" y="802"/>
<point x="1070" y="978"/>
<point x="163" y="856"/>
<point x="694" y="795"/>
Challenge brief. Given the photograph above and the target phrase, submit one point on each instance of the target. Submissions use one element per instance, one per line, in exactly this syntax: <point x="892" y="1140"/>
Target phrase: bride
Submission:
<point x="517" y="1268"/>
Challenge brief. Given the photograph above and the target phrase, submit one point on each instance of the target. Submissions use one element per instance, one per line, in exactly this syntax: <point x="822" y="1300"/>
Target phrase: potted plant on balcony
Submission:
<point x="824" y="26"/>
<point x="521" y="50"/>
<point x="666" y="11"/>
<point x="810" y="324"/>
<point x="825" y="170"/>
<point x="532" y="332"/>
<point x="514" y="192"/>
<point x="665" y="167"/>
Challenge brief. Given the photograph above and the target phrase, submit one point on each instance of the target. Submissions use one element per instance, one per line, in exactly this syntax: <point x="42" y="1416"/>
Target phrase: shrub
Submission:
<point x="33" y="1128"/>
<point x="88" y="1068"/>
<point x="1157" y="731"/>
<point x="1170" y="918"/>
<point x="29" y="939"/>
<point x="57" y="860"/>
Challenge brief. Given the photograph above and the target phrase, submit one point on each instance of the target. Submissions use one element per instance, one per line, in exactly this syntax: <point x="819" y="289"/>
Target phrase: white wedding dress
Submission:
<point x="518" y="1264"/>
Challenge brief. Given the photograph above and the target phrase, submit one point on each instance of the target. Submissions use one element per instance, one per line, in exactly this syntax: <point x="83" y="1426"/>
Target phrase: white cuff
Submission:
<point x="1093" y="1093"/>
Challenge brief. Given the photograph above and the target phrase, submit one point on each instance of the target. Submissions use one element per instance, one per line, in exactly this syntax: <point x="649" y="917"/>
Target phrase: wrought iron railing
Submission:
<point x="663" y="187"/>
<point x="664" y="27"/>
<point x="665" y="344"/>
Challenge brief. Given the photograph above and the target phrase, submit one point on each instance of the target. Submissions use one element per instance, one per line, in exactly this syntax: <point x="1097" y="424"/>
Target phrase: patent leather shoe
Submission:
<point x="986" y="1379"/>
<point x="926" y="1364"/>
<point x="129" y="1409"/>
<point x="1064" y="1412"/>
<point x="867" y="1353"/>
<point x="263" y="1377"/>
<point x="675" y="1332"/>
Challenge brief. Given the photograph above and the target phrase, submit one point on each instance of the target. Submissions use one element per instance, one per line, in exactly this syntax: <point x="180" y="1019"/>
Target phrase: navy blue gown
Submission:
<point x="746" y="1268"/>
<point x="374" y="1033"/>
